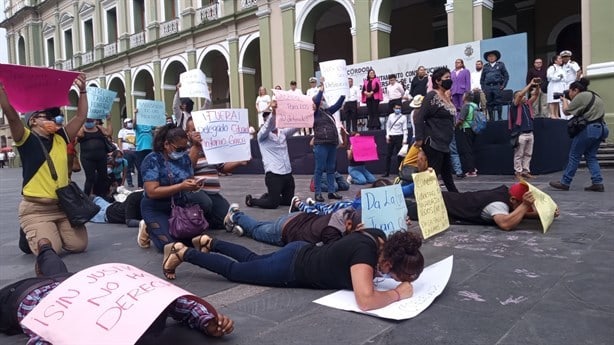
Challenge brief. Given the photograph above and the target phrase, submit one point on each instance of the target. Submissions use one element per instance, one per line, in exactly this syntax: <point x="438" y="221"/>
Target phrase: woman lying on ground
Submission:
<point x="348" y="263"/>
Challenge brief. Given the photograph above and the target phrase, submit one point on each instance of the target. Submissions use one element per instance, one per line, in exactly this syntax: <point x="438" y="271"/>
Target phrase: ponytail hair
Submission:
<point x="580" y="85"/>
<point x="402" y="250"/>
<point x="170" y="133"/>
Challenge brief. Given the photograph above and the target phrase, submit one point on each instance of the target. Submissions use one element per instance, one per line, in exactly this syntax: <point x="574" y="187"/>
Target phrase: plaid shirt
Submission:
<point x="188" y="312"/>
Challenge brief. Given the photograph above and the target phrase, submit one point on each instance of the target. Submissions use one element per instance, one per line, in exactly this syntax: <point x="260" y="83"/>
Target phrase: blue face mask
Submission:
<point x="397" y="111"/>
<point x="177" y="155"/>
<point x="59" y="119"/>
<point x="118" y="160"/>
<point x="90" y="125"/>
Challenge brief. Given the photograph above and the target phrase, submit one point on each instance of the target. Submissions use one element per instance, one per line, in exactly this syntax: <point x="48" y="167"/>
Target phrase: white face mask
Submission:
<point x="129" y="125"/>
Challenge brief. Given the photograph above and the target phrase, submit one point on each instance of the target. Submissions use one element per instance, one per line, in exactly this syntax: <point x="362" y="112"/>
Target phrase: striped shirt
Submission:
<point x="208" y="174"/>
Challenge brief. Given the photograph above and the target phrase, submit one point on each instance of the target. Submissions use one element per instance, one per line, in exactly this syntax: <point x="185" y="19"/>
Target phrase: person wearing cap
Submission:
<point x="182" y="108"/>
<point x="40" y="215"/>
<point x="572" y="70"/>
<point x="278" y="177"/>
<point x="494" y="79"/>
<point x="126" y="140"/>
<point x="313" y="87"/>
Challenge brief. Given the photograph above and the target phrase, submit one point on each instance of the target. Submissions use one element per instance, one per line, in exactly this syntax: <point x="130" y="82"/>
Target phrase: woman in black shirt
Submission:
<point x="349" y="263"/>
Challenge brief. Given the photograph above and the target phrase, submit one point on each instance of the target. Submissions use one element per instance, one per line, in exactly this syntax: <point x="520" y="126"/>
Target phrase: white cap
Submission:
<point x="127" y="120"/>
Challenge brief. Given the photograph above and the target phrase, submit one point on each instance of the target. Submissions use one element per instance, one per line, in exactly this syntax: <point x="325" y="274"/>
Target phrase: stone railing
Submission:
<point x="169" y="28"/>
<point x="67" y="65"/>
<point x="245" y="4"/>
<point x="207" y="13"/>
<point x="87" y="58"/>
<point x="110" y="49"/>
<point x="137" y="39"/>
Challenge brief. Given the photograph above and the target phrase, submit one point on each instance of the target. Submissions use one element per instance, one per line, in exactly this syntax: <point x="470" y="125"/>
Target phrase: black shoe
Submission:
<point x="248" y="200"/>
<point x="558" y="185"/>
<point x="334" y="196"/>
<point x="23" y="242"/>
<point x="595" y="188"/>
<point x="319" y="198"/>
<point x="461" y="175"/>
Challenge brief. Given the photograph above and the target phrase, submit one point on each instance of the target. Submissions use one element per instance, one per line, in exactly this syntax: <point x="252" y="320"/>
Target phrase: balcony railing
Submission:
<point x="67" y="65"/>
<point x="207" y="13"/>
<point x="169" y="28"/>
<point x="245" y="4"/>
<point x="137" y="39"/>
<point x="110" y="49"/>
<point x="87" y="58"/>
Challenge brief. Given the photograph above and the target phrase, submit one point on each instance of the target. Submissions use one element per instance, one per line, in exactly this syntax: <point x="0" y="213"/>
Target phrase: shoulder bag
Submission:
<point x="576" y="124"/>
<point x="79" y="208"/>
<point x="185" y="221"/>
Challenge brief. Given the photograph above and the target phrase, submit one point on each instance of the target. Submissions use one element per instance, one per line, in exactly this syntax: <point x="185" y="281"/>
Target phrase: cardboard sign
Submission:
<point x="335" y="80"/>
<point x="35" y="88"/>
<point x="225" y="134"/>
<point x="107" y="304"/>
<point x="293" y="110"/>
<point x="544" y="206"/>
<point x="432" y="213"/>
<point x="150" y="113"/>
<point x="99" y="102"/>
<point x="364" y="148"/>
<point x="427" y="287"/>
<point x="384" y="208"/>
<point x="194" y="84"/>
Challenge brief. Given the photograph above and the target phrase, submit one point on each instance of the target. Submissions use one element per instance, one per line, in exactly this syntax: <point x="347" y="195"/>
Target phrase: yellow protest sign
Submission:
<point x="432" y="213"/>
<point x="544" y="205"/>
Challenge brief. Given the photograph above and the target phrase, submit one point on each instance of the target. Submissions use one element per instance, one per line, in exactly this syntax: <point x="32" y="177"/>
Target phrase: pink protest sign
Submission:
<point x="110" y="304"/>
<point x="293" y="110"/>
<point x="36" y="88"/>
<point x="364" y="148"/>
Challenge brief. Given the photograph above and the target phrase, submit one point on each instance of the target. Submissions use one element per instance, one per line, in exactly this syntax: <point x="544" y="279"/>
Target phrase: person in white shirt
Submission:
<point x="556" y="84"/>
<point x="126" y="139"/>
<point x="395" y="92"/>
<point x="350" y="107"/>
<point x="571" y="68"/>
<point x="263" y="101"/>
<point x="294" y="89"/>
<point x="396" y="137"/>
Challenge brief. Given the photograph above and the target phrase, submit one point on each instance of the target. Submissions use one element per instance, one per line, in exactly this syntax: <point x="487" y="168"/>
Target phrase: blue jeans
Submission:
<point x="325" y="158"/>
<point x="267" y="232"/>
<point x="214" y="206"/>
<point x="455" y="158"/>
<point x="274" y="269"/>
<point x="155" y="214"/>
<point x="131" y="158"/>
<point x="585" y="143"/>
<point x="360" y="174"/>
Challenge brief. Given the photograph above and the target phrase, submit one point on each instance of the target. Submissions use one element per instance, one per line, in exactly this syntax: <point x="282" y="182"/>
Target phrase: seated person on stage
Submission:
<point x="503" y="206"/>
<point x="348" y="263"/>
<point x="18" y="300"/>
<point x="296" y="226"/>
<point x="341" y="183"/>
<point x="127" y="212"/>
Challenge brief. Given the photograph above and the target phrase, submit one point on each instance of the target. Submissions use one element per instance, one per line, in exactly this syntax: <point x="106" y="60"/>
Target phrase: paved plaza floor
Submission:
<point x="518" y="287"/>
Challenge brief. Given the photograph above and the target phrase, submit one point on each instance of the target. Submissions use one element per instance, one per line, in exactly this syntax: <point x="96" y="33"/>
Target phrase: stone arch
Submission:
<point x="245" y="45"/>
<point x="215" y="66"/>
<point x="173" y="63"/>
<point x="170" y="78"/>
<point x="377" y="13"/>
<point x="303" y="16"/>
<point x="116" y="83"/>
<point x="560" y="26"/>
<point x="503" y="27"/>
<point x="21" y="50"/>
<point x="143" y="83"/>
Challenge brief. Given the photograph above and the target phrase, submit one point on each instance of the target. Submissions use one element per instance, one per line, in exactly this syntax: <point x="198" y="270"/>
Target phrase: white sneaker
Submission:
<point x="237" y="230"/>
<point x="310" y="201"/>
<point x="228" y="221"/>
<point x="142" y="238"/>
<point x="349" y="179"/>
<point x="293" y="208"/>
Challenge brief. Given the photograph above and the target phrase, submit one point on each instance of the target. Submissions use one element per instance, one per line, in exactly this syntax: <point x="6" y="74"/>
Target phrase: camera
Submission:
<point x="558" y="95"/>
<point x="537" y="80"/>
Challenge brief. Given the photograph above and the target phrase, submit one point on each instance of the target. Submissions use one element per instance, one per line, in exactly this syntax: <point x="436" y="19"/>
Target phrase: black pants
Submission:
<point x="127" y="212"/>
<point x="493" y="101"/>
<point x="96" y="178"/>
<point x="442" y="164"/>
<point x="350" y="110"/>
<point x="140" y="156"/>
<point x="373" y="112"/>
<point x="394" y="146"/>
<point x="464" y="145"/>
<point x="280" y="190"/>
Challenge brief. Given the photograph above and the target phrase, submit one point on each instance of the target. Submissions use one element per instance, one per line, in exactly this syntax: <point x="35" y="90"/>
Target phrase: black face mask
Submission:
<point x="446" y="84"/>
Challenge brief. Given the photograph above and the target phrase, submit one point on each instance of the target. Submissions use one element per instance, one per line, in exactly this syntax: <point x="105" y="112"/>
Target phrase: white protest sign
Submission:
<point x="225" y="134"/>
<point x="335" y="80"/>
<point x="427" y="287"/>
<point x="384" y="208"/>
<point x="107" y="304"/>
<point x="194" y="84"/>
<point x="293" y="110"/>
<point x="99" y="102"/>
<point x="150" y="113"/>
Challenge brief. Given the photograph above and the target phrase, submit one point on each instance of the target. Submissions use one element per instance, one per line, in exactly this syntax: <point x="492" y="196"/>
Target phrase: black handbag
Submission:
<point x="578" y="123"/>
<point x="79" y="208"/>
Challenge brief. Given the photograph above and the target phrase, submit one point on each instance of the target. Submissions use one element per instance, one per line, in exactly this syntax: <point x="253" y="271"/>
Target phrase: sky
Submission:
<point x="3" y="48"/>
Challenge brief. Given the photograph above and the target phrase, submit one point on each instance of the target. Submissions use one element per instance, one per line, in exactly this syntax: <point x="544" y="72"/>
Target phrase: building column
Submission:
<point x="188" y="16"/>
<point x="264" y="24"/>
<point x="482" y="19"/>
<point x="157" y="78"/>
<point x="191" y="59"/>
<point x="153" y="25"/>
<point x="76" y="29"/>
<point x="247" y="78"/>
<point x="288" y="23"/>
<point x="361" y="48"/>
<point x="460" y="21"/>
<point x="34" y="43"/>
<point x="98" y="36"/>
<point x="130" y="100"/>
<point x="304" y="62"/>
<point x="233" y="71"/>
<point x="380" y="40"/>
<point x="11" y="42"/>
<point x="598" y="51"/>
<point x="124" y="32"/>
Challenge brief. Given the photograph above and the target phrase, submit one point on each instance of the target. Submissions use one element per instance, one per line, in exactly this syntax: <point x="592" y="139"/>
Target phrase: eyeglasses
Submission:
<point x="179" y="149"/>
<point x="44" y="116"/>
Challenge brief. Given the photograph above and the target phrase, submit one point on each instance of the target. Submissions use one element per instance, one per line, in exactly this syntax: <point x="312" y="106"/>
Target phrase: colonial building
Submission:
<point x="138" y="48"/>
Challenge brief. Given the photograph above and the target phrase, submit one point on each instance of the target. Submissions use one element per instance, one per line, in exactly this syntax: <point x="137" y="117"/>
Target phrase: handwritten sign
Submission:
<point x="384" y="208"/>
<point x="364" y="148"/>
<point x="225" y="134"/>
<point x="194" y="84"/>
<point x="110" y="304"/>
<point x="293" y="110"/>
<point x="335" y="80"/>
<point x="432" y="213"/>
<point x="150" y="113"/>
<point x="35" y="88"/>
<point x="99" y="102"/>
<point x="544" y="205"/>
<point x="427" y="287"/>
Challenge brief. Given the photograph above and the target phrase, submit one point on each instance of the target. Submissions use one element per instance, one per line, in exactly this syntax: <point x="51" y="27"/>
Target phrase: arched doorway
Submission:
<point x="409" y="22"/>
<point x="169" y="83"/>
<point x="215" y="67"/>
<point x="117" y="85"/>
<point x="21" y="50"/>
<point x="71" y="110"/>
<point x="143" y="86"/>
<point x="251" y="77"/>
<point x="570" y="38"/>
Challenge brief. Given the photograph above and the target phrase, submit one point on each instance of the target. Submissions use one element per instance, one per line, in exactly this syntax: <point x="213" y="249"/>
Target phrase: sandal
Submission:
<point x="171" y="250"/>
<point x="202" y="243"/>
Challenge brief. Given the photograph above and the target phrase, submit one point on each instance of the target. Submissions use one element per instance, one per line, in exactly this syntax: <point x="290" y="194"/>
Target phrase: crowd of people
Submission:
<point x="323" y="246"/>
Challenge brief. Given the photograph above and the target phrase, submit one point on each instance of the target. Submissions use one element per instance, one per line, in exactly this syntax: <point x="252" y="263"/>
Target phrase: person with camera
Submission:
<point x="588" y="111"/>
<point x="521" y="125"/>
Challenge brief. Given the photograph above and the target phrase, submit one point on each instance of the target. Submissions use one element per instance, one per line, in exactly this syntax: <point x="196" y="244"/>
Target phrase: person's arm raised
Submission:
<point x="15" y="124"/>
<point x="367" y="297"/>
<point x="74" y="125"/>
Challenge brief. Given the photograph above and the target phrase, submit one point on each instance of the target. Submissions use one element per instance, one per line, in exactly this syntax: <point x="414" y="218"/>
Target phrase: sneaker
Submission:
<point x="334" y="196"/>
<point x="595" y="188"/>
<point x="558" y="185"/>
<point x="237" y="230"/>
<point x="248" y="200"/>
<point x="143" y="239"/>
<point x="319" y="198"/>
<point x="472" y="174"/>
<point x="310" y="201"/>
<point x="228" y="221"/>
<point x="349" y="179"/>
<point x="293" y="202"/>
